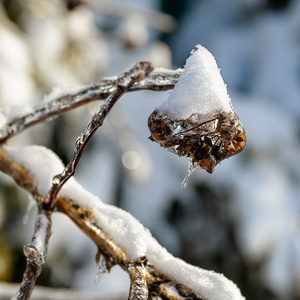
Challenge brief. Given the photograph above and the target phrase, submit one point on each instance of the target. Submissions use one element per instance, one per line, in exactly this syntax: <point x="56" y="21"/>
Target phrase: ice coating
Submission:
<point x="200" y="89"/>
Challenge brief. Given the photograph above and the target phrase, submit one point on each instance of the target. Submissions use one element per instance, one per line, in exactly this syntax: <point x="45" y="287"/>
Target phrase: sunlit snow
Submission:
<point x="200" y="89"/>
<point x="126" y="231"/>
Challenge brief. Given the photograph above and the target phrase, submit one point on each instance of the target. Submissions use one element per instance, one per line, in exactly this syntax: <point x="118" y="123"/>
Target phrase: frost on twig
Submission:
<point x="138" y="72"/>
<point x="35" y="253"/>
<point x="198" y="120"/>
<point x="16" y="119"/>
<point x="119" y="236"/>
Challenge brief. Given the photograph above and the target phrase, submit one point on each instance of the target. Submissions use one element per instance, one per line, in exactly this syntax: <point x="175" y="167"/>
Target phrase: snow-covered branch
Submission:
<point x="120" y="238"/>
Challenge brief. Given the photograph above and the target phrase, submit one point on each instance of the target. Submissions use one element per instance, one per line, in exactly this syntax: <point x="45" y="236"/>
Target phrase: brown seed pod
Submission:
<point x="207" y="142"/>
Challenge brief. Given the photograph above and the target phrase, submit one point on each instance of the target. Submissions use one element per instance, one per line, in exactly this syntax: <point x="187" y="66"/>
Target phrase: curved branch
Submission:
<point x="159" y="80"/>
<point x="138" y="72"/>
<point x="118" y="235"/>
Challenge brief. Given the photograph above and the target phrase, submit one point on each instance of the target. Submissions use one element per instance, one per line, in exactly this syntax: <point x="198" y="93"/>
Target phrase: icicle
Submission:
<point x="191" y="168"/>
<point x="101" y="268"/>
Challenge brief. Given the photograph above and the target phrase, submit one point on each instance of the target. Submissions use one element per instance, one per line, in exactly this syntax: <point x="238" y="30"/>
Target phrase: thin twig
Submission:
<point x="35" y="253"/>
<point x="158" y="80"/>
<point x="138" y="72"/>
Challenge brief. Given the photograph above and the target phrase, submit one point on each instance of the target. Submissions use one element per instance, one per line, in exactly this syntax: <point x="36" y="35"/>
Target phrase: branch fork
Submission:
<point x="126" y="80"/>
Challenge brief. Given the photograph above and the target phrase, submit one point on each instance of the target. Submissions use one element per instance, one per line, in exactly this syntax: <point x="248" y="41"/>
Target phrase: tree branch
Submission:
<point x="159" y="80"/>
<point x="138" y="72"/>
<point x="164" y="275"/>
<point x="35" y="253"/>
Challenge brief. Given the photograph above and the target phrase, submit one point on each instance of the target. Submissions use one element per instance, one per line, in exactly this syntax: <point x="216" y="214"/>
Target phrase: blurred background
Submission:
<point x="243" y="220"/>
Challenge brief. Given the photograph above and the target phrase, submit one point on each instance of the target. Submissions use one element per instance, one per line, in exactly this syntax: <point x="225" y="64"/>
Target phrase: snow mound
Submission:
<point x="200" y="89"/>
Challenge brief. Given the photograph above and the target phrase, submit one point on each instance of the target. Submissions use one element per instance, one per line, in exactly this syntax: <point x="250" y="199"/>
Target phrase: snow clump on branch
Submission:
<point x="200" y="89"/>
<point x="198" y="120"/>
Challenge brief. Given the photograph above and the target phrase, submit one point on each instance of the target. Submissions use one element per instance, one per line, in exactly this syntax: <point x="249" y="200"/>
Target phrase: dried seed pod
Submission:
<point x="198" y="120"/>
<point x="206" y="143"/>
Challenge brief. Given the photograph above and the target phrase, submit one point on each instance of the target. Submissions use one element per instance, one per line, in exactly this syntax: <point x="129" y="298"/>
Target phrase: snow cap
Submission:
<point x="200" y="89"/>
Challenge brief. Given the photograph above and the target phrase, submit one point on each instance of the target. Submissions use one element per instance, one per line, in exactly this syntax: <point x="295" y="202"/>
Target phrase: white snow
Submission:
<point x="200" y="89"/>
<point x="122" y="228"/>
<point x="42" y="163"/>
